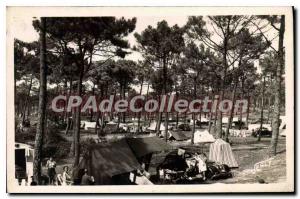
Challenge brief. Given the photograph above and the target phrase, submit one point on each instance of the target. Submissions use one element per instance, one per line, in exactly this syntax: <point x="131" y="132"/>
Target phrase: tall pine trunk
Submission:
<point x="219" y="112"/>
<point x="219" y="121"/>
<point x="140" y="113"/>
<point x="277" y="93"/>
<point x="40" y="131"/>
<point x="194" y="114"/>
<point x="211" y="113"/>
<point x="123" y="97"/>
<point x="146" y="114"/>
<point x="92" y="111"/>
<point x="67" y="114"/>
<point x="262" y="109"/>
<point x="76" y="135"/>
<point x="248" y="110"/>
<point x="241" y="112"/>
<point x="231" y="111"/>
<point x="165" y="73"/>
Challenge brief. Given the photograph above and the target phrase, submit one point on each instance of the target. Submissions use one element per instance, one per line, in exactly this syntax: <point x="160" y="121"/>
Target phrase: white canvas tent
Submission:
<point x="153" y="125"/>
<point x="88" y="125"/>
<point x="225" y="120"/>
<point x="282" y="127"/>
<point x="220" y="151"/>
<point x="203" y="137"/>
<point x="203" y="119"/>
<point x="253" y="127"/>
<point x="236" y="119"/>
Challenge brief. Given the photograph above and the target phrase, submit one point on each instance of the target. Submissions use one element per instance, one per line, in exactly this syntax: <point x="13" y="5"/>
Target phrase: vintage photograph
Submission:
<point x="200" y="99"/>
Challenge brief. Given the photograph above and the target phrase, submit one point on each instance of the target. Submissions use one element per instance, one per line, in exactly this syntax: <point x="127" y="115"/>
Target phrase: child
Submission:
<point x="202" y="159"/>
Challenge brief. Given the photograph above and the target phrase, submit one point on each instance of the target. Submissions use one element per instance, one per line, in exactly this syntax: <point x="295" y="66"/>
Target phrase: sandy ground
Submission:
<point x="273" y="173"/>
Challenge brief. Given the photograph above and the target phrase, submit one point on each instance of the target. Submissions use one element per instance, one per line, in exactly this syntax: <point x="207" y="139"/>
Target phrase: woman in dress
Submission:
<point x="66" y="178"/>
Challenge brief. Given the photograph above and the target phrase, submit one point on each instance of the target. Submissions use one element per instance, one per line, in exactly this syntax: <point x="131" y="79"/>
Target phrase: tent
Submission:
<point x="24" y="155"/>
<point x="236" y="119"/>
<point x="147" y="145"/>
<point x="282" y="132"/>
<point x="179" y="135"/>
<point x="88" y="125"/>
<point x="282" y="129"/>
<point x="108" y="163"/>
<point x="153" y="125"/>
<point x="220" y="151"/>
<point x="225" y="120"/>
<point x="148" y="148"/>
<point x="203" y="120"/>
<point x="203" y="137"/>
<point x="253" y="127"/>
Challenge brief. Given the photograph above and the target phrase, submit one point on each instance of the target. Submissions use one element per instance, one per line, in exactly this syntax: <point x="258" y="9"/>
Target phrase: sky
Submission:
<point x="27" y="33"/>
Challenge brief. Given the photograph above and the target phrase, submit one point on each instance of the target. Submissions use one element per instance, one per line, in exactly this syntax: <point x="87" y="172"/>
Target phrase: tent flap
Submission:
<point x="107" y="160"/>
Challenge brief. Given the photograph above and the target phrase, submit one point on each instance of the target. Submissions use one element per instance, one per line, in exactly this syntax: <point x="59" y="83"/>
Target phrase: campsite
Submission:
<point x="112" y="101"/>
<point x="120" y="157"/>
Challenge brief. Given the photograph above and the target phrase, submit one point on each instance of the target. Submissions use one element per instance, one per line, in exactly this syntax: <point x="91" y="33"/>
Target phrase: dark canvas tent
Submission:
<point x="147" y="145"/>
<point x="107" y="163"/>
<point x="179" y="135"/>
<point x="150" y="151"/>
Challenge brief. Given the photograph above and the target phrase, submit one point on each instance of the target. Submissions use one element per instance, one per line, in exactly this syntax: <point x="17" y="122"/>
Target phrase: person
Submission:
<point x="86" y="179"/>
<point x="201" y="163"/>
<point x="143" y="172"/>
<point x="59" y="179"/>
<point x="192" y="169"/>
<point x="51" y="165"/>
<point x="66" y="178"/>
<point x="33" y="183"/>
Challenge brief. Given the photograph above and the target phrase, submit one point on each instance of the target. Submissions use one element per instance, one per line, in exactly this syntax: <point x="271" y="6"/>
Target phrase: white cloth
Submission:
<point x="51" y="164"/>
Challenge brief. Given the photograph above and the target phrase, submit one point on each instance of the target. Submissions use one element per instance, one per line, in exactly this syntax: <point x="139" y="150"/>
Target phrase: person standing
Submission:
<point x="33" y="183"/>
<point x="86" y="179"/>
<point x="51" y="165"/>
<point x="201" y="162"/>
